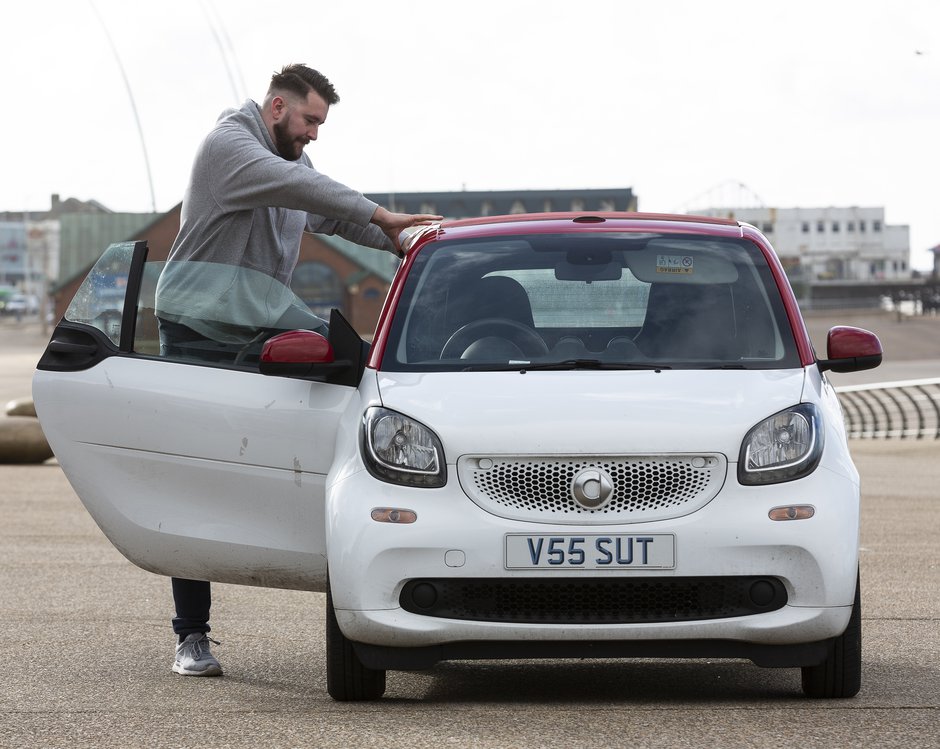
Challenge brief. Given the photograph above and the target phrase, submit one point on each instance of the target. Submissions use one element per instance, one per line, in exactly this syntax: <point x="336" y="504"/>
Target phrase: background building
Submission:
<point x="470" y="204"/>
<point x="13" y="258"/>
<point x="43" y="247"/>
<point x="831" y="244"/>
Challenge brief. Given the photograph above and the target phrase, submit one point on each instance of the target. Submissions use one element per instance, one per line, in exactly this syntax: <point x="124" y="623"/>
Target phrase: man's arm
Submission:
<point x="243" y="174"/>
<point x="367" y="236"/>
<point x="382" y="233"/>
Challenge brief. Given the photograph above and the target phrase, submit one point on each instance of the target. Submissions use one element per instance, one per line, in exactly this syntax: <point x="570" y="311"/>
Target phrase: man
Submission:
<point x="251" y="195"/>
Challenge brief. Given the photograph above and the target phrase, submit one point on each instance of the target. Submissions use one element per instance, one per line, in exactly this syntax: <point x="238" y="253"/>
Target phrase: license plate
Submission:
<point x="591" y="552"/>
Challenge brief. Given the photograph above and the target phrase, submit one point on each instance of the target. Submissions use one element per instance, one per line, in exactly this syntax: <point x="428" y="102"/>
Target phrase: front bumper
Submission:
<point x="514" y="645"/>
<point x="815" y="560"/>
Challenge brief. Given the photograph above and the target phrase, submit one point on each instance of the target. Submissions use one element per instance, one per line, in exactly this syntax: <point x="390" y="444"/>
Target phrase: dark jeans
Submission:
<point x="182" y="342"/>
<point x="193" y="598"/>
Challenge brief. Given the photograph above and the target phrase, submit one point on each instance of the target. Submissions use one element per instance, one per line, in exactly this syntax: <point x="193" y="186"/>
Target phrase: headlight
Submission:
<point x="784" y="447"/>
<point x="401" y="450"/>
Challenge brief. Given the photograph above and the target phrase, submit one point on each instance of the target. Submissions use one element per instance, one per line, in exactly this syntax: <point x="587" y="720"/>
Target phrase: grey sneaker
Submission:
<point x="194" y="658"/>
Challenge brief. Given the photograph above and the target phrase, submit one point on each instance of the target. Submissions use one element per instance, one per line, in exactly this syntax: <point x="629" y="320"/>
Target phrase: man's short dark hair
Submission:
<point x="300" y="80"/>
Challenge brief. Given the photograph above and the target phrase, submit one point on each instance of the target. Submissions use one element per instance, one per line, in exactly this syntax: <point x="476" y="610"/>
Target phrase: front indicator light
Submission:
<point x="783" y="447"/>
<point x="794" y="512"/>
<point x="394" y="515"/>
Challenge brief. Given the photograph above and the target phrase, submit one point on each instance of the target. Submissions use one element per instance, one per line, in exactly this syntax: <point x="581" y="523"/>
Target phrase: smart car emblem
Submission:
<point x="592" y="488"/>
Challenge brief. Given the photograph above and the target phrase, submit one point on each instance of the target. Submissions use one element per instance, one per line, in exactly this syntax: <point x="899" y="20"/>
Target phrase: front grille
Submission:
<point x="645" y="487"/>
<point x="579" y="601"/>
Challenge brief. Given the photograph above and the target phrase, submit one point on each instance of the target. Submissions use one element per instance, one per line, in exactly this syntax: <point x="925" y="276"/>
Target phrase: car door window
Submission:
<point x="201" y="313"/>
<point x="222" y="314"/>
<point x="99" y="301"/>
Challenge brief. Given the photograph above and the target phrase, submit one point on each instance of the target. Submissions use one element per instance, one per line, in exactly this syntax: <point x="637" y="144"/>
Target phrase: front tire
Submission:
<point x="347" y="680"/>
<point x="840" y="675"/>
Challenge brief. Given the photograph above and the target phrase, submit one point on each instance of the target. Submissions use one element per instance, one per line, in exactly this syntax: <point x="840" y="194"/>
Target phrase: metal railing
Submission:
<point x="907" y="409"/>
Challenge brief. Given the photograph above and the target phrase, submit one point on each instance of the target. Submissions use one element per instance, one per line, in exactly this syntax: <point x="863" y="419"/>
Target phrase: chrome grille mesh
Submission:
<point x="645" y="487"/>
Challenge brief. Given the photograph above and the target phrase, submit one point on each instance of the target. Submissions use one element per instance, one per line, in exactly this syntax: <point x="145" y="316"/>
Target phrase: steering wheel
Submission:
<point x="531" y="343"/>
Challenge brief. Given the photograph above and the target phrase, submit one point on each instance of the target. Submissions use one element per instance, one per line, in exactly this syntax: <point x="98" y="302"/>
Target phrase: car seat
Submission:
<point x="491" y="296"/>
<point x="686" y="321"/>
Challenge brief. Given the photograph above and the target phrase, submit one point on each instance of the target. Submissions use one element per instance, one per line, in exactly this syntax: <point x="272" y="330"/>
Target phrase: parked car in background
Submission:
<point x="21" y="305"/>
<point x="573" y="435"/>
<point x="5" y="293"/>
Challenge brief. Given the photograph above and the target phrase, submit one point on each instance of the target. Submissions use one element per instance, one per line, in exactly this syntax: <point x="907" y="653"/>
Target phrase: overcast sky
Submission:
<point x="798" y="103"/>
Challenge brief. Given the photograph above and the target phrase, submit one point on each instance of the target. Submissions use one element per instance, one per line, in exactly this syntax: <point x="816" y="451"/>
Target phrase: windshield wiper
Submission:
<point x="564" y="364"/>
<point x="588" y="364"/>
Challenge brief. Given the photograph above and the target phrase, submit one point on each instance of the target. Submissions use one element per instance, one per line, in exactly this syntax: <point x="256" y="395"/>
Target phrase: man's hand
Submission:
<point x="394" y="223"/>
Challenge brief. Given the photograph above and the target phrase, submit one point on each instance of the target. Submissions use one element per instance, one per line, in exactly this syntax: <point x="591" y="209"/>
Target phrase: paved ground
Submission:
<point x="87" y="650"/>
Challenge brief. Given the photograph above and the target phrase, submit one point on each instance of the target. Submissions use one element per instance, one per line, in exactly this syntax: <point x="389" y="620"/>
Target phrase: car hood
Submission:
<point x="608" y="412"/>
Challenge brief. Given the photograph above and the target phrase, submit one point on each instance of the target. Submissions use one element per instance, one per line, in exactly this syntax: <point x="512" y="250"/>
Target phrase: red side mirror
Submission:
<point x="851" y="349"/>
<point x="300" y="353"/>
<point x="296" y="347"/>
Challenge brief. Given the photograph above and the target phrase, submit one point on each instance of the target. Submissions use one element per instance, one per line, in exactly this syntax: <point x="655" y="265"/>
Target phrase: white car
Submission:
<point x="572" y="436"/>
<point x="21" y="304"/>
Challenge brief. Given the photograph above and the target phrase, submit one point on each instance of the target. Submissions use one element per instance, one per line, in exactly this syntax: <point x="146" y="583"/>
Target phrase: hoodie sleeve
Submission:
<point x="242" y="174"/>
<point x="367" y="236"/>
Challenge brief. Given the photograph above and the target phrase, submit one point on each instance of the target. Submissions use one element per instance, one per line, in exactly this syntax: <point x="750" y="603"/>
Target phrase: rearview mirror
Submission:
<point x="597" y="265"/>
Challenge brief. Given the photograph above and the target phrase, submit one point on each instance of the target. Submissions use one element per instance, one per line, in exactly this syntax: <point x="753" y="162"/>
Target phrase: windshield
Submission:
<point x="590" y="300"/>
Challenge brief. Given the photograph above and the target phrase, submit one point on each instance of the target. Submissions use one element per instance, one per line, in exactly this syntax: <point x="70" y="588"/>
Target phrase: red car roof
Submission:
<point x="590" y="218"/>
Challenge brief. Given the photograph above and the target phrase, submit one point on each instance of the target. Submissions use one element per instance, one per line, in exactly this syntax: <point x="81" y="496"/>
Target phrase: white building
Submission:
<point x="838" y="244"/>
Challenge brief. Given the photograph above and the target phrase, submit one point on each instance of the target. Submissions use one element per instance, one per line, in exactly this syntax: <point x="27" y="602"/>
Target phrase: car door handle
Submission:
<point x="74" y="347"/>
<point x="69" y="348"/>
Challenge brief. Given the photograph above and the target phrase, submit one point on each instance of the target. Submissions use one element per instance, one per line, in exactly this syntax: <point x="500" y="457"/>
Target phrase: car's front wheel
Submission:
<point x="347" y="680"/>
<point x="840" y="675"/>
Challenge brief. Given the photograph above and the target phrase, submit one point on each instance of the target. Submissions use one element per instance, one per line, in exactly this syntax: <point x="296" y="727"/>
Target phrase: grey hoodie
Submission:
<point x="247" y="207"/>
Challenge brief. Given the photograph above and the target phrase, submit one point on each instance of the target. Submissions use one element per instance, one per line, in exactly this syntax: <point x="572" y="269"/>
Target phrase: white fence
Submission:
<point x="908" y="409"/>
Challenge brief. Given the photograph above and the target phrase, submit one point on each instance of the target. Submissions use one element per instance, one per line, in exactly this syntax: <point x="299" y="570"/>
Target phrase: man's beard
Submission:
<point x="288" y="148"/>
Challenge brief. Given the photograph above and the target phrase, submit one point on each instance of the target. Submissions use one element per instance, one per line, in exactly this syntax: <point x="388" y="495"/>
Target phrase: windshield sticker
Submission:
<point x="674" y="264"/>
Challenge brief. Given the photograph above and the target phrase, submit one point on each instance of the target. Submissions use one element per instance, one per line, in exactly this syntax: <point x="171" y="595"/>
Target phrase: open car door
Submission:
<point x="193" y="464"/>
